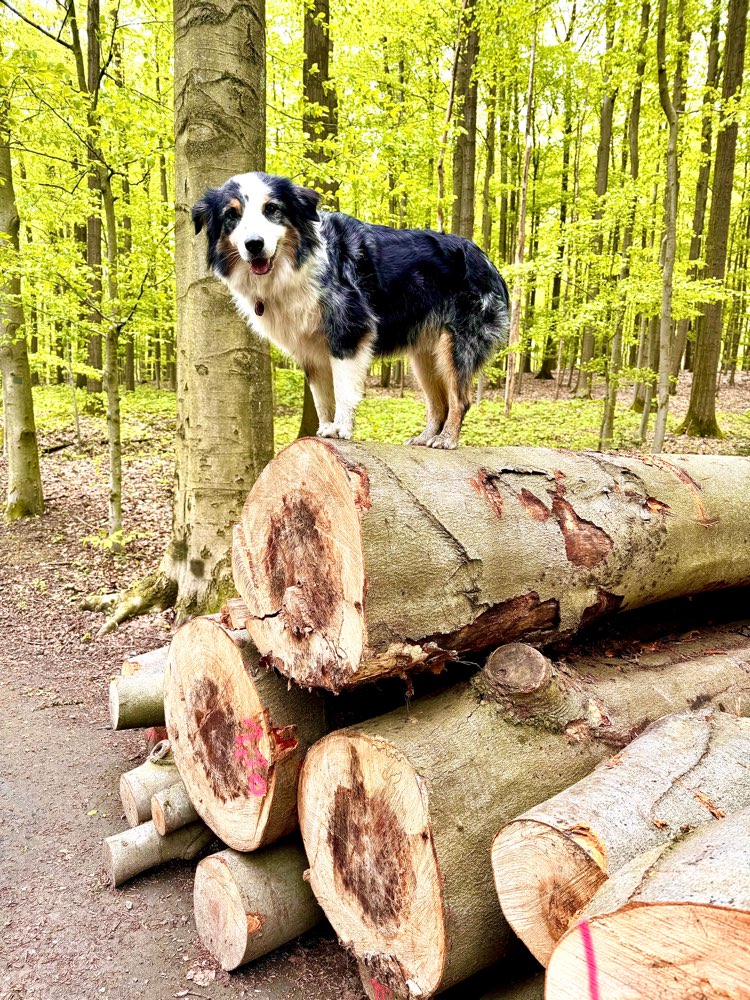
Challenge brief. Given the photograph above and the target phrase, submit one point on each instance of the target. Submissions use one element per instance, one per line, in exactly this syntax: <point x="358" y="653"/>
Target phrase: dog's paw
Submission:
<point x="327" y="431"/>
<point x="442" y="441"/>
<point x="420" y="440"/>
<point x="344" y="433"/>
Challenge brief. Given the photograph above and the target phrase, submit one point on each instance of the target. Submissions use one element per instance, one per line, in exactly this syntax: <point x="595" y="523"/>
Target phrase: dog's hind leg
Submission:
<point x="424" y="364"/>
<point x="457" y="387"/>
<point x="348" y="387"/>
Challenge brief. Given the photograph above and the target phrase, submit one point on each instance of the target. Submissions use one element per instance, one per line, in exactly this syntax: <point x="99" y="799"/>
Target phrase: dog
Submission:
<point x="334" y="292"/>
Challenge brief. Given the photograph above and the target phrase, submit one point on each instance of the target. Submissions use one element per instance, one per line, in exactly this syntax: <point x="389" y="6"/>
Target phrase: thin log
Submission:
<point x="154" y="661"/>
<point x="673" y="923"/>
<point x="239" y="733"/>
<point x="234" y="614"/>
<point x="398" y="814"/>
<point x="134" y="851"/>
<point x="361" y="561"/>
<point x="171" y="809"/>
<point x="549" y="863"/>
<point x="137" y="701"/>
<point x="137" y="786"/>
<point x="248" y="904"/>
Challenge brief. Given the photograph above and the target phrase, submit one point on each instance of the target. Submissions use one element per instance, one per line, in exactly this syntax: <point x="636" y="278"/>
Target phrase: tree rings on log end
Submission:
<point x="234" y="734"/>
<point x="541" y="911"/>
<point x="373" y="868"/>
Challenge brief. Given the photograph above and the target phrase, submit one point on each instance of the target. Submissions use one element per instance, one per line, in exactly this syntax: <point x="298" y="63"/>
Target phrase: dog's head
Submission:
<point x="257" y="222"/>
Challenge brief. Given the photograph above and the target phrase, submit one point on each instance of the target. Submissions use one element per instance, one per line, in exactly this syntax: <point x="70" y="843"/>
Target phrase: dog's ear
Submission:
<point x="202" y="212"/>
<point x="307" y="202"/>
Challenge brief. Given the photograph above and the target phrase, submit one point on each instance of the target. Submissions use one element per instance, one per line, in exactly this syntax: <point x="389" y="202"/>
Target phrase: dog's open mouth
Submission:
<point x="262" y="265"/>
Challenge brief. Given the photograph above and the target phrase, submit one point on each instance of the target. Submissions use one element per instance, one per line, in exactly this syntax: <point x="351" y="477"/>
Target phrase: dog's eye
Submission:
<point x="273" y="212"/>
<point x="230" y="217"/>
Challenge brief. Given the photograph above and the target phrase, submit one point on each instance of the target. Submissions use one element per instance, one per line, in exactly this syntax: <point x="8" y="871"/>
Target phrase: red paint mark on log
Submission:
<point x="369" y="850"/>
<point x="605" y="603"/>
<point x="534" y="507"/>
<point x="485" y="484"/>
<point x="247" y="752"/>
<point x="585" y="543"/>
<point x="524" y="616"/>
<point x="379" y="991"/>
<point x="590" y="957"/>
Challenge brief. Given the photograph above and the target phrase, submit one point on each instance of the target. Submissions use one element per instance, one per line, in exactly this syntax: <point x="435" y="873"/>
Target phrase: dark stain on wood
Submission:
<point x="299" y="556"/>
<point x="370" y="850"/>
<point x="563" y="902"/>
<point x="213" y="730"/>
<point x="605" y="603"/>
<point x="524" y="616"/>
<point x="585" y="543"/>
<point x="485" y="484"/>
<point x="534" y="507"/>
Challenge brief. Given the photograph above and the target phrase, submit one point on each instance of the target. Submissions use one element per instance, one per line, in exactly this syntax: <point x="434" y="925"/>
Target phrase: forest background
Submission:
<point x="597" y="152"/>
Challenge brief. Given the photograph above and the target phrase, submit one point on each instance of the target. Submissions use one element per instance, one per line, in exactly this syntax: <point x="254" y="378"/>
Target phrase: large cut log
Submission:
<point x="673" y="923"/>
<point x="172" y="809"/>
<point x="550" y="862"/>
<point x="134" y="851"/>
<point x="152" y="662"/>
<point x="137" y="786"/>
<point x="248" y="904"/>
<point x="358" y="561"/>
<point x="398" y="814"/>
<point x="239" y="733"/>
<point x="137" y="700"/>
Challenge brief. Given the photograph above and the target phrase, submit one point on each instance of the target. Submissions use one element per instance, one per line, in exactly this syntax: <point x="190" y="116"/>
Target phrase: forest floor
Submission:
<point x="65" y="934"/>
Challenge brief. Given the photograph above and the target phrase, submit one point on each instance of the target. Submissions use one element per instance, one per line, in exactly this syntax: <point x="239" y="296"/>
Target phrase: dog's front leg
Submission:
<point x="348" y="388"/>
<point x="320" y="377"/>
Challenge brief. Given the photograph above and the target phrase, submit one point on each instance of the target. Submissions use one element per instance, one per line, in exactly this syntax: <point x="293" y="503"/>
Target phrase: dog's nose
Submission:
<point x="254" y="246"/>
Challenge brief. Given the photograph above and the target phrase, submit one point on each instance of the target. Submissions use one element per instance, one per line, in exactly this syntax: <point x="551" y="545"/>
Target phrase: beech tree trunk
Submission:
<point x="358" y="561"/>
<point x="137" y="701"/>
<point x="549" y="863"/>
<point x="674" y="923"/>
<point x="248" y="904"/>
<point x="465" y="150"/>
<point x="134" y="851"/>
<point x="171" y="809"/>
<point x="321" y="108"/>
<point x="137" y="786"/>
<point x="25" y="497"/>
<point x="398" y="814"/>
<point x="239" y="734"/>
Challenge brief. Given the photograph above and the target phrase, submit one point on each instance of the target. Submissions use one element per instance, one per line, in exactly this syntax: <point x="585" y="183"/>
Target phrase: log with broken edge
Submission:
<point x="239" y="733"/>
<point x="550" y="862"/>
<point x="358" y="561"/>
<point x="398" y="814"/>
<point x="248" y="904"/>
<point x="139" y="785"/>
<point x="673" y="923"/>
<point x="171" y="809"/>
<point x="141" y="848"/>
<point x="137" y="700"/>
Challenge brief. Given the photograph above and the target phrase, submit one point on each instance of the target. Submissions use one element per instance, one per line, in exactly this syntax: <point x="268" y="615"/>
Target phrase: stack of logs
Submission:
<point x="619" y="785"/>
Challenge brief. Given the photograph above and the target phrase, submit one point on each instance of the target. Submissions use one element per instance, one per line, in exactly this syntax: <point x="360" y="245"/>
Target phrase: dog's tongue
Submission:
<point x="260" y="265"/>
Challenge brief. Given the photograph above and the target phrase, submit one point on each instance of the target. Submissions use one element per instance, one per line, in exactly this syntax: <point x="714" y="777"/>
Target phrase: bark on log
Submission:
<point x="359" y="561"/>
<point x="527" y="989"/>
<point x="171" y="809"/>
<point x="137" y="701"/>
<point x="239" y="734"/>
<point x="135" y="851"/>
<point x="673" y="923"/>
<point x="248" y="904"/>
<point x="137" y="786"/>
<point x="549" y="863"/>
<point x="154" y="661"/>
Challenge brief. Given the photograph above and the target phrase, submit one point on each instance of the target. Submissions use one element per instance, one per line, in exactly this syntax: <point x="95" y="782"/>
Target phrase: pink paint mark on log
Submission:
<point x="588" y="953"/>
<point x="247" y="752"/>
<point x="380" y="992"/>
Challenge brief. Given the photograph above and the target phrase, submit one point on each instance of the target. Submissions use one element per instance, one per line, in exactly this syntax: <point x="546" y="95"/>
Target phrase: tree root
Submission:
<point x="156" y="592"/>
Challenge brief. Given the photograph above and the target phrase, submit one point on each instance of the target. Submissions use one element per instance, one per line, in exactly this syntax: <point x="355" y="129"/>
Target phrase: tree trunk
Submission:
<point x="137" y="701"/>
<point x="134" y="851"/>
<point x="549" y="863"/>
<point x="94" y="221"/>
<point x="398" y="816"/>
<point x="248" y="904"/>
<point x="308" y="426"/>
<point x="465" y="149"/>
<point x="239" y="734"/>
<point x="25" y="497"/>
<point x="674" y="923"/>
<point x="321" y="108"/>
<point x="701" y="415"/>
<point x="493" y="544"/>
<point x="488" y="202"/>
<point x="171" y="809"/>
<point x="137" y="786"/>
<point x="111" y="372"/>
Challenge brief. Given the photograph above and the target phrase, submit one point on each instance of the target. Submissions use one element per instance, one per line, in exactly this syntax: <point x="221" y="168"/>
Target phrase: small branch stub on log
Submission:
<point x="672" y="923"/>
<point x="248" y="904"/>
<point x="239" y="734"/>
<point x="359" y="561"/>
<point x="172" y="809"/>
<point x="134" y="851"/>
<point x="137" y="701"/>
<point x="137" y="786"/>
<point x="549" y="863"/>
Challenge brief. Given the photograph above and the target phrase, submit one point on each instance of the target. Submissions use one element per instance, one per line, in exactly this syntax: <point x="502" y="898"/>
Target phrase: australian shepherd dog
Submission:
<point x="334" y="293"/>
